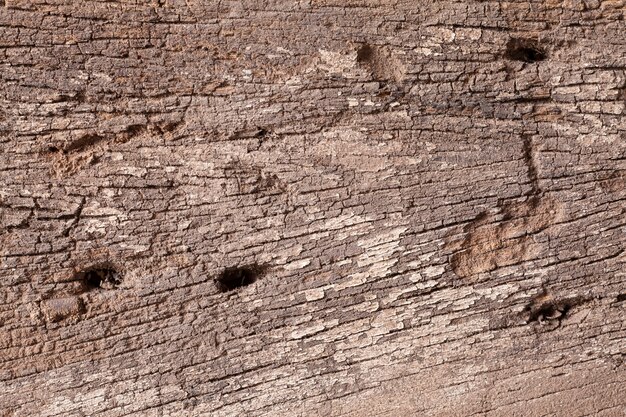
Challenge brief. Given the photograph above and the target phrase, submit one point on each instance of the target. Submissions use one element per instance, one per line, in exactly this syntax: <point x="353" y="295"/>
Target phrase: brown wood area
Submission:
<point x="333" y="208"/>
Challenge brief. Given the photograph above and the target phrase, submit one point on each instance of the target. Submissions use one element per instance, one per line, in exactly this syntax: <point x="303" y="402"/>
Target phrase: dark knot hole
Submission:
<point x="365" y="53"/>
<point x="238" y="277"/>
<point x="105" y="277"/>
<point x="525" y="50"/>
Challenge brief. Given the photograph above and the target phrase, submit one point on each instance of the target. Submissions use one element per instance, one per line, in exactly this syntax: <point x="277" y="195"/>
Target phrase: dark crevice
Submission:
<point x="238" y="277"/>
<point x="75" y="218"/>
<point x="257" y="132"/>
<point x="547" y="310"/>
<point x="102" y="276"/>
<point x="132" y="131"/>
<point x="544" y="307"/>
<point x="622" y="93"/>
<point x="525" y="50"/>
<point x="528" y="148"/>
<point x="364" y="54"/>
<point x="529" y="99"/>
<point x="261" y="133"/>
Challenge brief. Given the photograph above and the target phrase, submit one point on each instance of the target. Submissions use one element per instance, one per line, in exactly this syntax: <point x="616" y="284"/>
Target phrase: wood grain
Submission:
<point x="312" y="208"/>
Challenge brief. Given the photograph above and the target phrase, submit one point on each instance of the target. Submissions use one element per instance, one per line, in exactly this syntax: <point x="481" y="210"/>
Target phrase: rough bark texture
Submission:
<point x="312" y="208"/>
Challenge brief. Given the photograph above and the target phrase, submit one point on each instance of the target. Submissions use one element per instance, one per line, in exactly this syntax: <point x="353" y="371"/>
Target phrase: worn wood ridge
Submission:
<point x="328" y="208"/>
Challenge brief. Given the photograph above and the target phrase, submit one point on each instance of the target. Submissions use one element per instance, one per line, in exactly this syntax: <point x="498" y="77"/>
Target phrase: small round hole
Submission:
<point x="104" y="277"/>
<point x="238" y="277"/>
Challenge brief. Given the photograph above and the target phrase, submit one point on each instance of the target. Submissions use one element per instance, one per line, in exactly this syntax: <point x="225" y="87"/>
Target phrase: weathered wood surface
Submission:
<point x="430" y="194"/>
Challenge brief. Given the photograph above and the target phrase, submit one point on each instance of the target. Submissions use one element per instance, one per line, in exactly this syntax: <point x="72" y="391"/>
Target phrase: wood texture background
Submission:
<point x="432" y="194"/>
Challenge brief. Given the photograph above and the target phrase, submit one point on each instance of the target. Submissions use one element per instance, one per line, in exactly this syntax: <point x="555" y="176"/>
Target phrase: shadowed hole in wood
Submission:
<point x="105" y="277"/>
<point x="261" y="133"/>
<point x="238" y="277"/>
<point x="550" y="311"/>
<point x="544" y="307"/>
<point x="364" y="53"/>
<point x="525" y="50"/>
<point x="621" y="297"/>
<point x="134" y="130"/>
